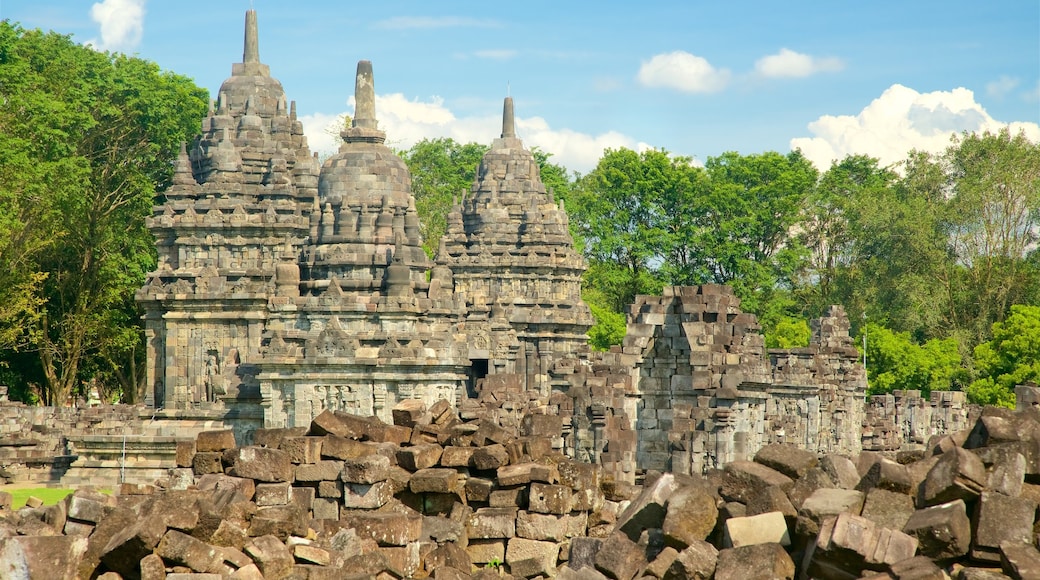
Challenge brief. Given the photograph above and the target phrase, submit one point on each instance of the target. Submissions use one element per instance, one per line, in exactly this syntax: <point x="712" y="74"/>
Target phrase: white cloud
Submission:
<point x="899" y="120"/>
<point x="121" y="22"/>
<point x="999" y="88"/>
<point x="682" y="71"/>
<point x="427" y="22"/>
<point x="495" y="54"/>
<point x="407" y="122"/>
<point x="790" y="64"/>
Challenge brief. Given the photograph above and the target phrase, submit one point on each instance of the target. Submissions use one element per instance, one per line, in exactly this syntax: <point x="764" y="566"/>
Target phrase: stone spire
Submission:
<point x="251" y="50"/>
<point x="364" y="127"/>
<point x="508" y="127"/>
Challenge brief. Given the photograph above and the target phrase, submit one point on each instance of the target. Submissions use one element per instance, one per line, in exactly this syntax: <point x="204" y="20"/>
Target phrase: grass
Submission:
<point x="49" y="495"/>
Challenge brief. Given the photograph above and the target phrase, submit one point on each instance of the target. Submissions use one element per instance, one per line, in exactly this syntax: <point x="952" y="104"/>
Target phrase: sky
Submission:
<point x="694" y="78"/>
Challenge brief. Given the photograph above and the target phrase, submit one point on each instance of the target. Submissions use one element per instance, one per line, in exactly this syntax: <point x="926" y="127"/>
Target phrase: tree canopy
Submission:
<point x="86" y="142"/>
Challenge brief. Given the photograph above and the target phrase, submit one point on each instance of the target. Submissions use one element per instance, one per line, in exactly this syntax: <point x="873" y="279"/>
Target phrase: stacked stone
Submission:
<point x="369" y="329"/>
<point x="239" y="201"/>
<point x="904" y="420"/>
<point x="434" y="495"/>
<point x="509" y="248"/>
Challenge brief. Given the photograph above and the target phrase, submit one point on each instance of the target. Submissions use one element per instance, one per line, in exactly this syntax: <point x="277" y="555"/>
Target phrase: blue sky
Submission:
<point x="694" y="78"/>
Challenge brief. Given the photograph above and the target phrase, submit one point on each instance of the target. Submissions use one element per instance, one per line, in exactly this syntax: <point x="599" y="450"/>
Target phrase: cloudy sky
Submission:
<point x="694" y="78"/>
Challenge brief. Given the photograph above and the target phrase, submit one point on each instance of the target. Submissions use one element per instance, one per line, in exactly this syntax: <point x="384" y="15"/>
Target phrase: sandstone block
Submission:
<point x="958" y="474"/>
<point x="311" y="555"/>
<point x="520" y="474"/>
<point x="387" y="528"/>
<point x="262" y="464"/>
<point x="88" y="505"/>
<point x="649" y="509"/>
<point x="490" y="457"/>
<point x="549" y="499"/>
<point x="492" y="523"/>
<point x="887" y="509"/>
<point x="690" y="515"/>
<point x="207" y="462"/>
<point x="742" y="479"/>
<point x="998" y="520"/>
<point x="41" y="557"/>
<point x="754" y="561"/>
<point x="943" y="531"/>
<point x="457" y="456"/>
<point x="185" y="452"/>
<point x="330" y="423"/>
<point x="179" y="548"/>
<point x="273" y="437"/>
<point x="483" y="551"/>
<point x="583" y="553"/>
<point x="273" y="557"/>
<point x="126" y="548"/>
<point x="302" y="449"/>
<point x="888" y="475"/>
<point x="434" y="480"/>
<point x="787" y="459"/>
<point x="220" y="482"/>
<point x="549" y="527"/>
<point x="827" y="502"/>
<point x="767" y="528"/>
<point x="337" y="447"/>
<point x="696" y="562"/>
<point x="367" y="496"/>
<point x="841" y="470"/>
<point x="529" y="558"/>
<point x="419" y="456"/>
<point x="273" y="494"/>
<point x="215" y="441"/>
<point x="1020" y="561"/>
<point x="479" y="489"/>
<point x="366" y="470"/>
<point x="321" y="470"/>
<point x="850" y="544"/>
<point x="408" y="412"/>
<point x="620" y="558"/>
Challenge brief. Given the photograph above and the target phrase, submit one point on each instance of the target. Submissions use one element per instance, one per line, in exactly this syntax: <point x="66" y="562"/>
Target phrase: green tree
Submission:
<point x="895" y="361"/>
<point x="89" y="138"/>
<point x="442" y="171"/>
<point x="789" y="332"/>
<point x="1011" y="357"/>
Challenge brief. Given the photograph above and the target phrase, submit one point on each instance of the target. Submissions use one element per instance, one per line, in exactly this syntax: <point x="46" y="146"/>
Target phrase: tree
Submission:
<point x="895" y="361"/>
<point x="1011" y="357"/>
<point x="442" y="171"/>
<point x="104" y="128"/>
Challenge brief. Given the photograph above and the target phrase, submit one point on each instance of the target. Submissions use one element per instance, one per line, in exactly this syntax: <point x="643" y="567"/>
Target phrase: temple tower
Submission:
<point x="513" y="259"/>
<point x="242" y="197"/>
<point x="370" y="327"/>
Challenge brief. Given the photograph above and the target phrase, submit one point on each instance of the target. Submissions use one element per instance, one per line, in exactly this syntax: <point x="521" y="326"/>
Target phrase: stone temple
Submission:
<point x="285" y="288"/>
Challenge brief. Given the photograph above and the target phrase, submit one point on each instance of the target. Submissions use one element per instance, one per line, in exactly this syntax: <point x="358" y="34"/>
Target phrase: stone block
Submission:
<point x="696" y="561"/>
<point x="302" y="449"/>
<point x="549" y="527"/>
<point x="583" y="553"/>
<point x="386" y="528"/>
<point x="529" y="558"/>
<point x="958" y="474"/>
<point x="482" y="552"/>
<point x="1020" y="561"/>
<point x="185" y="452"/>
<point x="306" y="554"/>
<point x="620" y="558"/>
<point x="407" y="413"/>
<point x="690" y="515"/>
<point x="178" y="548"/>
<point x="207" y="462"/>
<point x="419" y="456"/>
<point x="434" y="480"/>
<point x="767" y="528"/>
<point x="520" y="474"/>
<point x="128" y="546"/>
<point x="262" y="464"/>
<point x="1000" y="519"/>
<point x="849" y="544"/>
<point x="827" y="502"/>
<point x="274" y="558"/>
<point x="490" y="457"/>
<point x="330" y="423"/>
<point x="337" y="447"/>
<point x="215" y="441"/>
<point x="841" y="470"/>
<point x="323" y="508"/>
<point x="549" y="499"/>
<point x="887" y="509"/>
<point x="888" y="475"/>
<point x="457" y="456"/>
<point x="273" y="437"/>
<point x="88" y="505"/>
<point x="754" y="561"/>
<point x="491" y="523"/>
<point x="448" y="555"/>
<point x="41" y="557"/>
<point x="544" y="426"/>
<point x="741" y="480"/>
<point x="509" y="497"/>
<point x="787" y="459"/>
<point x="366" y="470"/>
<point x="322" y="470"/>
<point x="479" y="489"/>
<point x="268" y="494"/>
<point x="649" y="509"/>
<point x="943" y="531"/>
<point x="368" y="496"/>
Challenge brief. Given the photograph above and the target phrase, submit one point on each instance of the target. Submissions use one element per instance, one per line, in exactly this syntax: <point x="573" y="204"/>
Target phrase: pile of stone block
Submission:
<point x="439" y="495"/>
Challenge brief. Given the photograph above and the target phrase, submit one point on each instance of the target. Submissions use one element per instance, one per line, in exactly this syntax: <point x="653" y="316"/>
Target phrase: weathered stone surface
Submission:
<point x="321" y="470"/>
<point x="549" y="527"/>
<point x="434" y="480"/>
<point x="1000" y="519"/>
<point x="696" y="562"/>
<point x="215" y="441"/>
<point x="943" y="531"/>
<point x="888" y="475"/>
<point x="367" y="470"/>
<point x="887" y="509"/>
<point x="181" y="549"/>
<point x="490" y="457"/>
<point x="767" y="528"/>
<point x="262" y="464"/>
<point x="128" y="546"/>
<point x="827" y="502"/>
<point x="219" y="482"/>
<point x="529" y="558"/>
<point x="519" y="474"/>
<point x="754" y="561"/>
<point x="419" y="456"/>
<point x="841" y="470"/>
<point x="649" y="509"/>
<point x="273" y="557"/>
<point x="302" y="449"/>
<point x="492" y="523"/>
<point x="41" y="557"/>
<point x="690" y="515"/>
<point x="273" y="494"/>
<point x="850" y="544"/>
<point x="620" y="558"/>
<point x="743" y="479"/>
<point x="958" y="474"/>
<point x="787" y="459"/>
<point x="1020" y="561"/>
<point x="549" y="499"/>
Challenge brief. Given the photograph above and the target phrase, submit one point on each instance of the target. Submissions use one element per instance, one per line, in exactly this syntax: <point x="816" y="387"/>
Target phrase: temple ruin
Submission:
<point x="284" y="289"/>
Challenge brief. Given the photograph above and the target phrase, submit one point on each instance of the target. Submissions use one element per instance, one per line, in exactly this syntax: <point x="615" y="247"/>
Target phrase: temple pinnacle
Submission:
<point x="364" y="96"/>
<point x="251" y="50"/>
<point x="508" y="128"/>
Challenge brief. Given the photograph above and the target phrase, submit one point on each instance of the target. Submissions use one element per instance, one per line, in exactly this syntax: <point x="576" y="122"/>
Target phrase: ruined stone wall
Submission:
<point x="904" y="420"/>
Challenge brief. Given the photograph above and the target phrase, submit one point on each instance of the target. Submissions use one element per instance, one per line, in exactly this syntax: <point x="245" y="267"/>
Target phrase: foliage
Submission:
<point x="86" y="140"/>
<point x="609" y="328"/>
<point x="789" y="332"/>
<point x="1011" y="357"/>
<point x="442" y="172"/>
<point x="895" y="361"/>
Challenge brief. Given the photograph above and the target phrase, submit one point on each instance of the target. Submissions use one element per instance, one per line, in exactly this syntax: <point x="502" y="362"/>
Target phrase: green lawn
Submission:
<point x="49" y="495"/>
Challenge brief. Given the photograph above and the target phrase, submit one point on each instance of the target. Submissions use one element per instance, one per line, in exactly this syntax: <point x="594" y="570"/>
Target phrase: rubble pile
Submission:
<point x="438" y="495"/>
